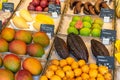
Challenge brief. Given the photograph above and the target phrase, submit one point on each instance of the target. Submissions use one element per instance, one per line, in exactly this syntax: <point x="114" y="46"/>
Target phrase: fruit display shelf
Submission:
<point x="28" y="44"/>
<point x="26" y="3"/>
<point x="19" y="65"/>
<point x="5" y="16"/>
<point x="69" y="18"/>
<point x="87" y="41"/>
<point x="92" y="7"/>
<point x="34" y="25"/>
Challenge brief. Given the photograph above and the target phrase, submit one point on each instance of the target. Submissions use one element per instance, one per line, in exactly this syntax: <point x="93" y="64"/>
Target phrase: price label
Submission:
<point x="108" y="35"/>
<point x="54" y="8"/>
<point x="106" y="61"/>
<point x="54" y="14"/>
<point x="106" y="19"/>
<point x="49" y="29"/>
<point x="106" y="41"/>
<point x="8" y="7"/>
<point x="0" y="24"/>
<point x="107" y="13"/>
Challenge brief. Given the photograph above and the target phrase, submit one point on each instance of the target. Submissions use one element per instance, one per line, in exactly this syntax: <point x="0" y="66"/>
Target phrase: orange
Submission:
<point x="78" y="78"/>
<point x="63" y="62"/>
<point x="66" y="68"/>
<point x="81" y="63"/>
<point x="92" y="79"/>
<point x="49" y="73"/>
<point x="103" y="69"/>
<point x="70" y="60"/>
<point x="33" y="65"/>
<point x="55" y="62"/>
<point x="55" y="77"/>
<point x="93" y="66"/>
<point x="60" y="73"/>
<point x="85" y="68"/>
<point x="43" y="78"/>
<point x="77" y="72"/>
<point x="85" y="76"/>
<point x="74" y="65"/>
<point x="70" y="74"/>
<point x="100" y="78"/>
<point x="52" y="67"/>
<point x="93" y="73"/>
<point x="108" y="76"/>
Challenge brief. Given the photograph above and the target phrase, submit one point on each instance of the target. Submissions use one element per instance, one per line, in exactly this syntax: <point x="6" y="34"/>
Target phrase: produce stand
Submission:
<point x="59" y="30"/>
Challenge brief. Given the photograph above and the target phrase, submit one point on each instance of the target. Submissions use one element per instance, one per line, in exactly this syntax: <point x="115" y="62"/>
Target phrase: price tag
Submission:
<point x="8" y="7"/>
<point x="106" y="19"/>
<point x="106" y="41"/>
<point x="54" y="8"/>
<point x="107" y="13"/>
<point x="108" y="35"/>
<point x="0" y="24"/>
<point x="58" y="9"/>
<point x="54" y="14"/>
<point x="49" y="29"/>
<point x="106" y="61"/>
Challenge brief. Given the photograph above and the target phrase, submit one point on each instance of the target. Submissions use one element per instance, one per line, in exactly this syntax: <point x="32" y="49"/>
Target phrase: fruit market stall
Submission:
<point x="61" y="40"/>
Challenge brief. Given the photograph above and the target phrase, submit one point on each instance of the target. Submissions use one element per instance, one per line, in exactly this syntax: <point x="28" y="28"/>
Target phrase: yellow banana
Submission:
<point x="117" y="45"/>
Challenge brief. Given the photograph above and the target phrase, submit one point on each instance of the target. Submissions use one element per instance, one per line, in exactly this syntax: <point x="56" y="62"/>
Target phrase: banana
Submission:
<point x="97" y="6"/>
<point x="91" y="10"/>
<point x="78" y="7"/>
<point x="86" y="6"/>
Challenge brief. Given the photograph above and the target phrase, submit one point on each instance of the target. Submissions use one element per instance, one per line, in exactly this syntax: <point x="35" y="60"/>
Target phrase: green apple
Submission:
<point x="96" y="26"/>
<point x="96" y="32"/>
<point x="85" y="31"/>
<point x="99" y="21"/>
<point x="72" y="30"/>
<point x="76" y="18"/>
<point x="86" y="24"/>
<point x="4" y="0"/>
<point x="72" y="23"/>
<point x="87" y="19"/>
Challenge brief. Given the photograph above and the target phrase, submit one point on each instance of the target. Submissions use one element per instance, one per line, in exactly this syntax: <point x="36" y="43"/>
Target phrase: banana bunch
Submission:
<point x="117" y="45"/>
<point x="118" y="8"/>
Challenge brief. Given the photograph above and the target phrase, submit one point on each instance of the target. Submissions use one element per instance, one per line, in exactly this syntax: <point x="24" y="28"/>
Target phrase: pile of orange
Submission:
<point x="69" y="69"/>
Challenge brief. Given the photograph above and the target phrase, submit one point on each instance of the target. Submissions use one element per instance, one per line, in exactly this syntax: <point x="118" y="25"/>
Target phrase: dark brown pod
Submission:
<point x="61" y="47"/>
<point x="98" y="49"/>
<point x="86" y="6"/>
<point x="73" y="3"/>
<point x="104" y="5"/>
<point x="97" y="6"/>
<point x="91" y="10"/>
<point x="78" y="7"/>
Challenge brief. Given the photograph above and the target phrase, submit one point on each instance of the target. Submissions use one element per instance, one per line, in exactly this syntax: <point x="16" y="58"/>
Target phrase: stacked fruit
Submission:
<point x="25" y="16"/>
<point x="20" y="42"/>
<point x="69" y="69"/>
<point x="41" y="5"/>
<point x="85" y="26"/>
<point x="12" y="64"/>
<point x="118" y="8"/>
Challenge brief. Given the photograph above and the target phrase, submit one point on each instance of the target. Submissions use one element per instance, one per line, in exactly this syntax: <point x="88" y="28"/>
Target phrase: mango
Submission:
<point x="23" y="75"/>
<point x="35" y="50"/>
<point x="6" y="75"/>
<point x="18" y="47"/>
<point x="19" y="22"/>
<point x="41" y="38"/>
<point x="1" y="62"/>
<point x="12" y="62"/>
<point x="3" y="45"/>
<point x="33" y="65"/>
<point x="26" y="15"/>
<point x="23" y="35"/>
<point x="8" y="34"/>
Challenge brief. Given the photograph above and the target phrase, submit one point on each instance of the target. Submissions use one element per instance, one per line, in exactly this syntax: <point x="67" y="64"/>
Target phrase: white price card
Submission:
<point x="106" y="41"/>
<point x="106" y="19"/>
<point x="54" y="15"/>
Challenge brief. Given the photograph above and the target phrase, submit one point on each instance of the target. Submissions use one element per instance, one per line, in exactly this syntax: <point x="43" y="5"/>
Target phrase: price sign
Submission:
<point x="49" y="29"/>
<point x="54" y="14"/>
<point x="108" y="35"/>
<point x="0" y="24"/>
<point x="8" y="7"/>
<point x="107" y="13"/>
<point x="106" y="19"/>
<point x="106" y="61"/>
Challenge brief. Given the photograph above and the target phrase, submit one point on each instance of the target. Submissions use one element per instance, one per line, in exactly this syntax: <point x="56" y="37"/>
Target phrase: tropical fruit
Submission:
<point x="6" y="75"/>
<point x="8" y="34"/>
<point x="86" y="25"/>
<point x="26" y="15"/>
<point x="96" y="32"/>
<point x="35" y="50"/>
<point x="41" y="38"/>
<point x="33" y="65"/>
<point x="72" y="30"/>
<point x="1" y="62"/>
<point x="87" y="19"/>
<point x="19" y="22"/>
<point x="99" y="21"/>
<point x="85" y="31"/>
<point x="18" y="47"/>
<point x="3" y="45"/>
<point x="76" y="18"/>
<point x="23" y="75"/>
<point x="23" y="35"/>
<point x="12" y="62"/>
